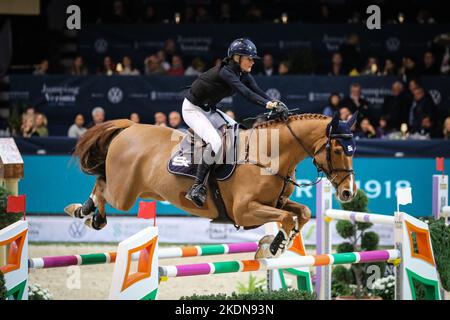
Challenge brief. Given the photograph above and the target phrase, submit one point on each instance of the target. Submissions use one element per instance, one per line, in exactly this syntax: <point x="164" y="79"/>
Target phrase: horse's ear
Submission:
<point x="334" y="122"/>
<point x="352" y="121"/>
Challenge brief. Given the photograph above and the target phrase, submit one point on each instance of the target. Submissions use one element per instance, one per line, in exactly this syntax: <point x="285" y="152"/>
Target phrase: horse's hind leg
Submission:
<point x="93" y="207"/>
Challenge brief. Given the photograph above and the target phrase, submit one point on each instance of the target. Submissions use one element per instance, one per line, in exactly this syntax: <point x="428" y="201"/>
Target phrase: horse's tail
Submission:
<point x="93" y="145"/>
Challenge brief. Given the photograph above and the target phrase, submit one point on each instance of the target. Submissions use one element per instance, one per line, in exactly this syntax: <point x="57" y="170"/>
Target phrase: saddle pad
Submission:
<point x="181" y="162"/>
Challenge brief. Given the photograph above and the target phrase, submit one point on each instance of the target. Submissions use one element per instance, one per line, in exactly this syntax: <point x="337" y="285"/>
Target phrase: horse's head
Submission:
<point x="335" y="157"/>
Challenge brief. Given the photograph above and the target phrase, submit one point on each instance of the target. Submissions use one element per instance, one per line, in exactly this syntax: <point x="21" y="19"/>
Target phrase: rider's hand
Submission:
<point x="271" y="104"/>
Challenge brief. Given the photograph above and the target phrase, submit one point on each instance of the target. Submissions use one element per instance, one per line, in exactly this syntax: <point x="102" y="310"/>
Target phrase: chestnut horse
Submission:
<point x="130" y="161"/>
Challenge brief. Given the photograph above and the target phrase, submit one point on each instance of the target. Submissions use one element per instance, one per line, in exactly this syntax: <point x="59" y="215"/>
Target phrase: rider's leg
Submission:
<point x="198" y="120"/>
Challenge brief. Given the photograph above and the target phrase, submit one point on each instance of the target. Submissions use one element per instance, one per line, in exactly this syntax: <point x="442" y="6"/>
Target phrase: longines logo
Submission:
<point x="273" y="93"/>
<point x="115" y="95"/>
<point x="436" y="96"/>
<point x="77" y="229"/>
<point x="101" y="45"/>
<point x="393" y="44"/>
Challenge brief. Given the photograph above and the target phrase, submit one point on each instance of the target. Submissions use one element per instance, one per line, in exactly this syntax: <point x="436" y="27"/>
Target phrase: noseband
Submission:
<point x="331" y="172"/>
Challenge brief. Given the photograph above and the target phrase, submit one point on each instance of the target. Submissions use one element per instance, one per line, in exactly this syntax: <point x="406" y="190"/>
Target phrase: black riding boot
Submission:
<point x="197" y="193"/>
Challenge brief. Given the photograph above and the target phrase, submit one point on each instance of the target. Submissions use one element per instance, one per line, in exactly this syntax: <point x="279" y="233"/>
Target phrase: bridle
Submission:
<point x="331" y="172"/>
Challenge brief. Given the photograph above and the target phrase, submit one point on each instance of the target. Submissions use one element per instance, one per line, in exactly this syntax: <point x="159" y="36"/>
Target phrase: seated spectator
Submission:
<point x="176" y="122"/>
<point x="108" y="68"/>
<point x="446" y="129"/>
<point x="384" y="129"/>
<point x="42" y="68"/>
<point x="196" y="68"/>
<point x="170" y="49"/>
<point x="268" y="66"/>
<point x="77" y="129"/>
<point x="345" y="113"/>
<point x="153" y="66"/>
<point x="396" y="106"/>
<point x="127" y="68"/>
<point x="41" y="125"/>
<point x="149" y="15"/>
<point x="98" y="116"/>
<point x="177" y="68"/>
<point x="28" y="129"/>
<point x="337" y="68"/>
<point x="365" y="130"/>
<point x="371" y="68"/>
<point x="421" y="107"/>
<point x="135" y="117"/>
<point x="160" y="119"/>
<point x="389" y="68"/>
<point x="429" y="68"/>
<point x="334" y="103"/>
<point x="29" y="112"/>
<point x="351" y="53"/>
<point x="225" y="12"/>
<point x="356" y="102"/>
<point x="78" y="68"/>
<point x="408" y="69"/>
<point x="161" y="56"/>
<point x="284" y="68"/>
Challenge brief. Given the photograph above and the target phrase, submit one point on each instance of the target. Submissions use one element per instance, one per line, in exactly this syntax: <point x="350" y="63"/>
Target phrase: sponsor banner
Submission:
<point x="183" y="230"/>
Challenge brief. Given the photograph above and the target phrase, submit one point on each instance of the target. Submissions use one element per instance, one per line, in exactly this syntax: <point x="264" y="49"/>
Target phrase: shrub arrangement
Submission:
<point x="283" y="294"/>
<point x="2" y="287"/>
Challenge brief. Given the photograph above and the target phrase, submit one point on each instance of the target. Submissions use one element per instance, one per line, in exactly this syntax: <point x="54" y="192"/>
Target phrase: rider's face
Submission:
<point x="247" y="63"/>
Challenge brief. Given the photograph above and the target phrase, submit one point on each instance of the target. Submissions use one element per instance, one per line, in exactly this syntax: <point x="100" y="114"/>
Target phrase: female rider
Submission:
<point x="199" y="106"/>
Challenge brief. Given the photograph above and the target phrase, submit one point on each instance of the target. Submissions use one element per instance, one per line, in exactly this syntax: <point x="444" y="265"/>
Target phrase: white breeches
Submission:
<point x="205" y="123"/>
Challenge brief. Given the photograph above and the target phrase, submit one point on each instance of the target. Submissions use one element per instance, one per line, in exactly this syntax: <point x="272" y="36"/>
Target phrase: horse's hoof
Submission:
<point x="96" y="222"/>
<point x="74" y="210"/>
<point x="264" y="247"/>
<point x="266" y="240"/>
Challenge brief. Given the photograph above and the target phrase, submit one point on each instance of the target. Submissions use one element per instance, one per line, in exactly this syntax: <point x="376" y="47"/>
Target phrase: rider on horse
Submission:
<point x="199" y="105"/>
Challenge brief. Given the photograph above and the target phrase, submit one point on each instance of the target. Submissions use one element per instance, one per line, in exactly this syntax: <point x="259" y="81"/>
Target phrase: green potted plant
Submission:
<point x="350" y="283"/>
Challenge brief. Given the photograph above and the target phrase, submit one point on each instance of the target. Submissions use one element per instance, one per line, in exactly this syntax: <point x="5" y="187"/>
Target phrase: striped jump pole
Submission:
<point x="359" y="216"/>
<point x="277" y="263"/>
<point x="165" y="253"/>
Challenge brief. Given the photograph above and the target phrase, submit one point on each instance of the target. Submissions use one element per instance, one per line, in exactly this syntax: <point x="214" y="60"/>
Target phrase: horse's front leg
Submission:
<point x="303" y="214"/>
<point x="259" y="214"/>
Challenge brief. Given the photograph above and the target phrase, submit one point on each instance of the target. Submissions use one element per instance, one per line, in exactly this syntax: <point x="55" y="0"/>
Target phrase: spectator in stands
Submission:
<point x="446" y="129"/>
<point x="356" y="102"/>
<point x="77" y="129"/>
<point x="384" y="129"/>
<point x="371" y="67"/>
<point x="425" y="17"/>
<point x="78" y="68"/>
<point x="408" y="69"/>
<point x="189" y="15"/>
<point x="429" y="67"/>
<point x="42" y="68"/>
<point x="396" y="106"/>
<point x="161" y="56"/>
<point x="149" y="15"/>
<point x="445" y="62"/>
<point x="389" y="68"/>
<point x="351" y="53"/>
<point x="127" y="68"/>
<point x="119" y="15"/>
<point x="41" y="125"/>
<point x="28" y="129"/>
<point x="427" y="128"/>
<point x="268" y="66"/>
<point x="196" y="68"/>
<point x="202" y="15"/>
<point x="421" y="107"/>
<point x="153" y="66"/>
<point x="177" y="68"/>
<point x="345" y="113"/>
<point x="176" y="122"/>
<point x="365" y="130"/>
<point x="98" y="116"/>
<point x="334" y="103"/>
<point x="225" y="12"/>
<point x="170" y="49"/>
<point x="108" y="68"/>
<point x="284" y="68"/>
<point x="30" y="112"/>
<point x="160" y="119"/>
<point x="337" y="68"/>
<point x="135" y="117"/>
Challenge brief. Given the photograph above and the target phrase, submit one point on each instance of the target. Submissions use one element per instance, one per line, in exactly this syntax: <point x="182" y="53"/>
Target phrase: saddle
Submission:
<point x="189" y="153"/>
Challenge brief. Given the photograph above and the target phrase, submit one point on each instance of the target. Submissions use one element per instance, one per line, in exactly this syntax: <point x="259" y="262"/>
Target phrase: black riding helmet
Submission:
<point x="243" y="47"/>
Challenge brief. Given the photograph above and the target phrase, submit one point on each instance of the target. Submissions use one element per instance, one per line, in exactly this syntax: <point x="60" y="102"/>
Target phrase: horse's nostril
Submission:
<point x="346" y="194"/>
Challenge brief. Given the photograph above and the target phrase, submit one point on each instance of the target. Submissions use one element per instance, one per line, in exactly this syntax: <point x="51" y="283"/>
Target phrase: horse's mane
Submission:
<point x="303" y="116"/>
